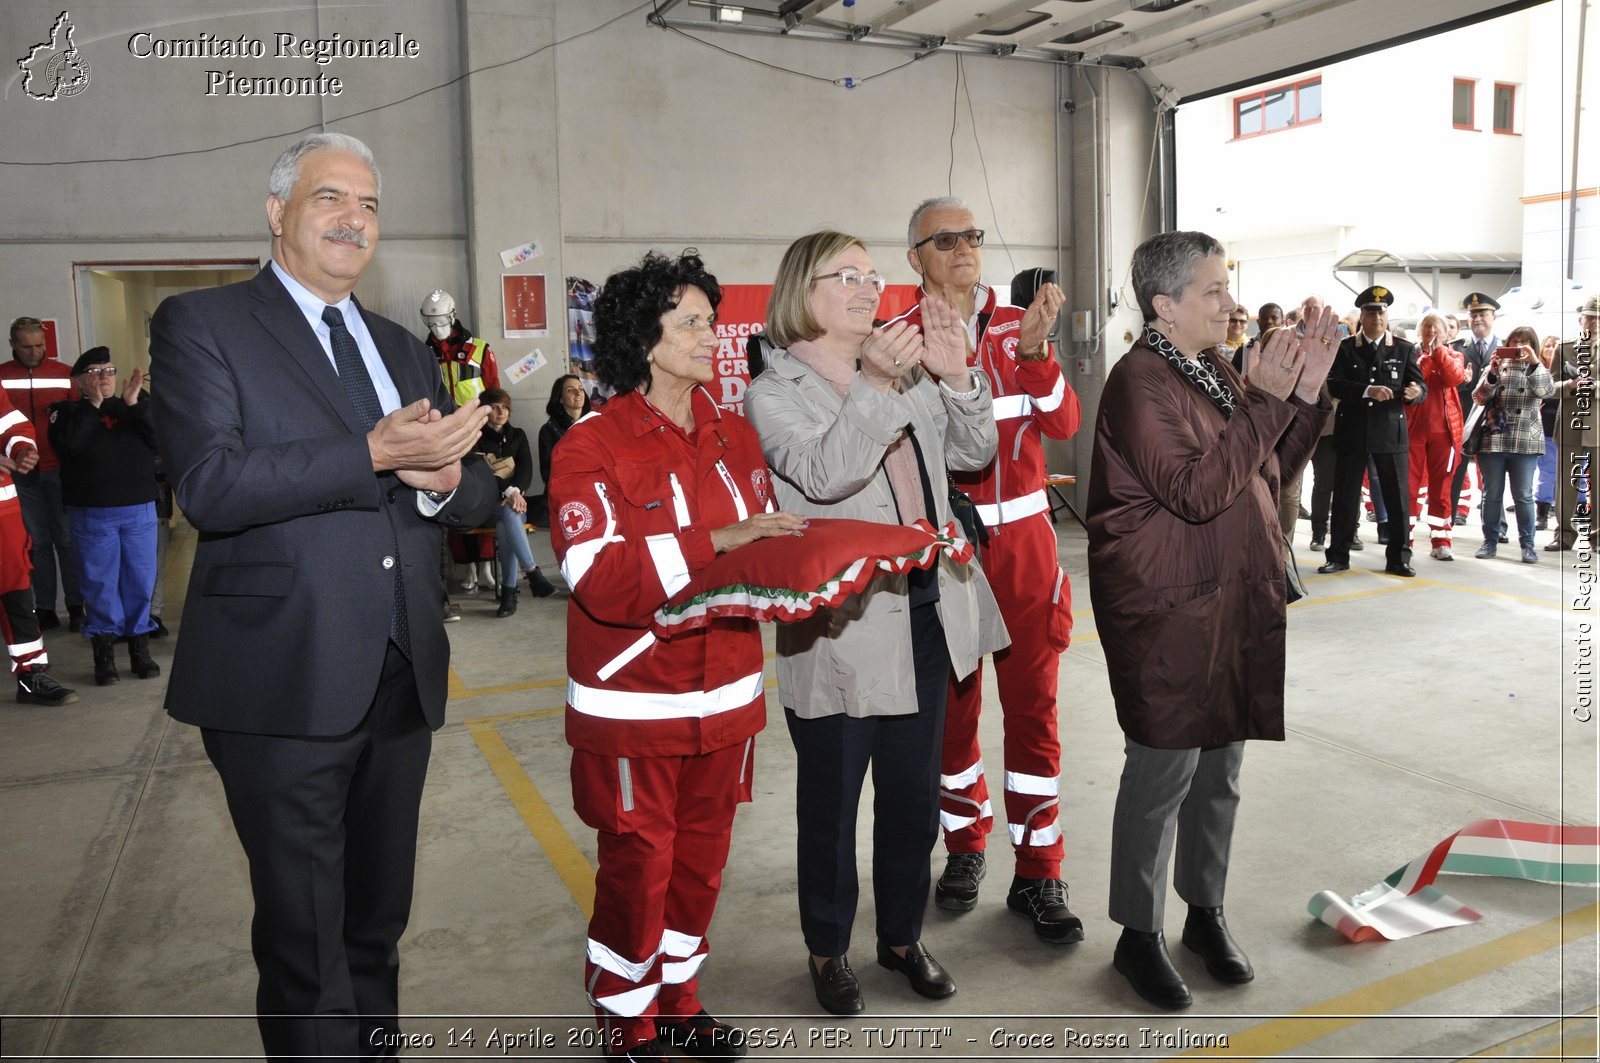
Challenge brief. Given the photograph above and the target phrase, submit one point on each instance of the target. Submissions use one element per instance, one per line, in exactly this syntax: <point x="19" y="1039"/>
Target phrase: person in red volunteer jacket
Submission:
<point x="32" y="381"/>
<point x="20" y="623"/>
<point x="642" y="495"/>
<point x="1434" y="428"/>
<point x="1031" y="399"/>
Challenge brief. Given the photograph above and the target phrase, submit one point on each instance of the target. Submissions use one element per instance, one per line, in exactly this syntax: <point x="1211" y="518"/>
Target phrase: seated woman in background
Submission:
<point x="568" y="402"/>
<point x="861" y="423"/>
<point x="662" y="731"/>
<point x="505" y="447"/>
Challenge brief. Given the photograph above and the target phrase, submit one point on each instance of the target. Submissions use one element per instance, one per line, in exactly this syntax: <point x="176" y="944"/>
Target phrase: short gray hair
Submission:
<point x="286" y="171"/>
<point x="937" y="203"/>
<point x="1164" y="265"/>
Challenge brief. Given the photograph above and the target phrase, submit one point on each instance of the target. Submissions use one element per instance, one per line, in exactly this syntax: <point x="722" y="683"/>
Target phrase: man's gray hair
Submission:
<point x="1164" y="265"/>
<point x="937" y="203"/>
<point x="286" y="171"/>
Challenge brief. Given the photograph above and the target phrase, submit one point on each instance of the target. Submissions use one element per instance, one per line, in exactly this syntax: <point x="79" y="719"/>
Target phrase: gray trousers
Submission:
<point x="1183" y="796"/>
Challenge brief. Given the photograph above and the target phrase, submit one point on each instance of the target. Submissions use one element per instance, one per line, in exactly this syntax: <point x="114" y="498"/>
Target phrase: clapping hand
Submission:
<point x="889" y="353"/>
<point x="131" y="390"/>
<point x="1037" y="323"/>
<point x="944" y="344"/>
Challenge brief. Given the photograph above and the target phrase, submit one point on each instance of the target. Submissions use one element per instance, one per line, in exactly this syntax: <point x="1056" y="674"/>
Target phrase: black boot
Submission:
<point x="1142" y="958"/>
<point x="1543" y="517"/>
<point x="139" y="660"/>
<point x="1206" y="933"/>
<point x="508" y="601"/>
<point x="105" y="660"/>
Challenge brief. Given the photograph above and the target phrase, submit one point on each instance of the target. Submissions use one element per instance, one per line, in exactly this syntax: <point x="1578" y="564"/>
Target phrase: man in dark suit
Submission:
<point x="1374" y="377"/>
<point x="314" y="447"/>
<point x="1477" y="350"/>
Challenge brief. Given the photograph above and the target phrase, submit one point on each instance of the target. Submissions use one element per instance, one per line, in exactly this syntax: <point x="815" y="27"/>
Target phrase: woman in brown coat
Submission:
<point x="1187" y="578"/>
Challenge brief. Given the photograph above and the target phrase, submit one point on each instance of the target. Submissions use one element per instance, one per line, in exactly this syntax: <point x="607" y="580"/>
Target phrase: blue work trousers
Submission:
<point x="116" y="548"/>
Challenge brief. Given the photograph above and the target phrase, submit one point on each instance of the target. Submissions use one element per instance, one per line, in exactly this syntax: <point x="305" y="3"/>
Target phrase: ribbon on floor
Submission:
<point x="1405" y="903"/>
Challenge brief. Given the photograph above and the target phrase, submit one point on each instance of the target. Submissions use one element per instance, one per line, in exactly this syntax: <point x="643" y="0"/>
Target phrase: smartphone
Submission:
<point x="1513" y="353"/>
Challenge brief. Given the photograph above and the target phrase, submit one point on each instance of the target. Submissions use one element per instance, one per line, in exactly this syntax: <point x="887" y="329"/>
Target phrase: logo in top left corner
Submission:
<point x="55" y="68"/>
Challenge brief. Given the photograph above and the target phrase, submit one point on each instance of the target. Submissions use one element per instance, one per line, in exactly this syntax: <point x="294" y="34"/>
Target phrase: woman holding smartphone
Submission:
<point x="1513" y="438"/>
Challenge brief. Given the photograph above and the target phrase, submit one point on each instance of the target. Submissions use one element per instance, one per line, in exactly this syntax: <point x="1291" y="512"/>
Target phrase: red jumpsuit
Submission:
<point x="1434" y="427"/>
<point x="1031" y="399"/>
<point x="24" y="644"/>
<point x="662" y="732"/>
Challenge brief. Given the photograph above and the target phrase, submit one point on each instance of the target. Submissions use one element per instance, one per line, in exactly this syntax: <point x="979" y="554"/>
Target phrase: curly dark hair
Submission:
<point x="628" y="311"/>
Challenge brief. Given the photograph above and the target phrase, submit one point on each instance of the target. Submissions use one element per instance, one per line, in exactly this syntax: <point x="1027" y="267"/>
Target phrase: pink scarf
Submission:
<point x="905" y="483"/>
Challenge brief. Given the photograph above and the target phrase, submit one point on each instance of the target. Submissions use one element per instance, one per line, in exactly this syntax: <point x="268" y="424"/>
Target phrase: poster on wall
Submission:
<point x="525" y="309"/>
<point x="743" y="314"/>
<point x="581" y="294"/>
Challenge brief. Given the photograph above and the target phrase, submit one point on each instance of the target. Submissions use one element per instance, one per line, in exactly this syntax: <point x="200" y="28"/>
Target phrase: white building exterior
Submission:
<point x="1387" y="166"/>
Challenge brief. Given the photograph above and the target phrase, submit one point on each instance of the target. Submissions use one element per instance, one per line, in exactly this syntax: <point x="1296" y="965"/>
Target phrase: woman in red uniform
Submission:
<point x="662" y="732"/>
<point x="1434" y="427"/>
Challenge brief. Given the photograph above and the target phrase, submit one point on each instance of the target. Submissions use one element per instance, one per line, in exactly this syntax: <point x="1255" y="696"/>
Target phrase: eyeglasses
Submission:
<point x="107" y="370"/>
<point x="947" y="241"/>
<point x="1238" y="321"/>
<point x="851" y="277"/>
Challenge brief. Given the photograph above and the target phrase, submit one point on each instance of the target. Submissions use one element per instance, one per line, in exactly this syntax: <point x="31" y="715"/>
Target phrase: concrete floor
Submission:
<point x="1414" y="707"/>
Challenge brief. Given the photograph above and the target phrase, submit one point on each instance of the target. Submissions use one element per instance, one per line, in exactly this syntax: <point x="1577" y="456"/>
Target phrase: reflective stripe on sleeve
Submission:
<point x="671" y="568"/>
<point x="580" y="556"/>
<point x="649" y="705"/>
<point x="1010" y="407"/>
<point x="8" y="491"/>
<point x="12" y="419"/>
<point x="733" y="489"/>
<point x="1014" y="509"/>
<point x="1052" y="402"/>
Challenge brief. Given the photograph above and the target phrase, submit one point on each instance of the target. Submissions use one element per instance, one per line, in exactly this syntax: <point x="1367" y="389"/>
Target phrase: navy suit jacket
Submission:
<point x="286" y="622"/>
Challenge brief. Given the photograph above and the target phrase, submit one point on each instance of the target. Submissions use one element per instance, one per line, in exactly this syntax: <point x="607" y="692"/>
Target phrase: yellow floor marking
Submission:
<point x="1387" y="994"/>
<point x="1570" y="1038"/>
<point x="570" y="863"/>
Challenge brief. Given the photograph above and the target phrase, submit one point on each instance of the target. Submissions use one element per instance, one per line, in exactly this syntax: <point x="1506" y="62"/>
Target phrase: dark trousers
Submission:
<point x="1322" y="465"/>
<point x="832" y="756"/>
<point x="1393" y="480"/>
<point x="46" y="518"/>
<point x="330" y="829"/>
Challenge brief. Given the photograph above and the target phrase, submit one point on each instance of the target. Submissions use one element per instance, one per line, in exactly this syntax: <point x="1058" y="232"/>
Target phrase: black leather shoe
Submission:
<point x="1400" y="568"/>
<point x="1142" y="958"/>
<point x="920" y="969"/>
<point x="48" y="620"/>
<point x="1334" y="566"/>
<point x="1356" y="543"/>
<point x="702" y="1037"/>
<point x="837" y="989"/>
<point x="1044" y="900"/>
<point x="957" y="890"/>
<point x="1205" y="933"/>
<point x="1383" y="535"/>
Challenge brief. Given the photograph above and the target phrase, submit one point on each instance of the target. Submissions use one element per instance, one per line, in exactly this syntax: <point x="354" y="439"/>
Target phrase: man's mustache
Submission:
<point x="348" y="235"/>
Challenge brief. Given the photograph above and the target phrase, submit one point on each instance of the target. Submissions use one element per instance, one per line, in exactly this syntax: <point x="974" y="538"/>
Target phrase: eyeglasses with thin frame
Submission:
<point x="947" y="241"/>
<point x="107" y="370"/>
<point x="851" y="277"/>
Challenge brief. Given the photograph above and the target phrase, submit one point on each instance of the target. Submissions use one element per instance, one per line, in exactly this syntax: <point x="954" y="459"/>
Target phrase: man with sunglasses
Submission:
<point x="1031" y="397"/>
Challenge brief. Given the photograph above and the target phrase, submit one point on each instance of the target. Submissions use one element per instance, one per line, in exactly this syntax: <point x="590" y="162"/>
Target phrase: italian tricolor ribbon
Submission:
<point x="1405" y="902"/>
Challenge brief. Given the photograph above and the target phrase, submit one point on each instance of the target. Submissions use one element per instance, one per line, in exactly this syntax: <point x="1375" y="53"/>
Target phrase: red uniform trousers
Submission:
<point x="1036" y="601"/>
<point x="24" y="644"/>
<point x="1433" y="463"/>
<point x="664" y="825"/>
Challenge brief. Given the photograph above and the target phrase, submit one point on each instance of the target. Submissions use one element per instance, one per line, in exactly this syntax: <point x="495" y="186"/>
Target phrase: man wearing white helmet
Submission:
<point x="467" y="363"/>
<point x="468" y="367"/>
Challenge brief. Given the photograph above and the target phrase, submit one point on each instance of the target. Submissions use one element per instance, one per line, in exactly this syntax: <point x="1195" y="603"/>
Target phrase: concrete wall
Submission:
<point x="600" y="147"/>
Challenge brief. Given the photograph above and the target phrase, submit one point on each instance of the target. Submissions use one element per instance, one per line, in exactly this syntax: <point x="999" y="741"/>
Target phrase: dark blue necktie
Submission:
<point x="364" y="397"/>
